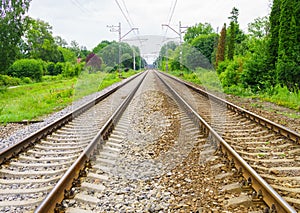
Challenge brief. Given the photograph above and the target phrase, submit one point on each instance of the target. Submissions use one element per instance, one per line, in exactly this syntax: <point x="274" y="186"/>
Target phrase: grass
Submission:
<point x="278" y="95"/>
<point x="30" y="102"/>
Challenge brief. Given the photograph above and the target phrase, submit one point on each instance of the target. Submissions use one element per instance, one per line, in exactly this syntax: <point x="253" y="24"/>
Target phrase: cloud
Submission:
<point x="85" y="20"/>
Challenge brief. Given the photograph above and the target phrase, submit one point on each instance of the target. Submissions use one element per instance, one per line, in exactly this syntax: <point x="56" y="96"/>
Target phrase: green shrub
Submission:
<point x="26" y="80"/>
<point x="58" y="68"/>
<point x="6" y="81"/>
<point x="26" y="68"/>
<point x="50" y="68"/>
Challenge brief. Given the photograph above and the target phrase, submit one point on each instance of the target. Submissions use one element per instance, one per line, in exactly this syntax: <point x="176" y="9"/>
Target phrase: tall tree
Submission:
<point x="11" y="30"/>
<point x="198" y="29"/>
<point x="233" y="27"/>
<point x="221" y="46"/>
<point x="274" y="33"/>
<point x="288" y="63"/>
<point x="41" y="42"/>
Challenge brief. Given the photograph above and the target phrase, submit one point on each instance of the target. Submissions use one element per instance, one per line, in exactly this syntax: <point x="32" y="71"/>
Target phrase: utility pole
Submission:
<point x="119" y="30"/>
<point x="179" y="32"/>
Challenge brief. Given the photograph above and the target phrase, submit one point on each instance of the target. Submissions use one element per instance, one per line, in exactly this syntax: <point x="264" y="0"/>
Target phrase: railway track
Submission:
<point x="32" y="167"/>
<point x="154" y="153"/>
<point x="106" y="177"/>
<point x="270" y="149"/>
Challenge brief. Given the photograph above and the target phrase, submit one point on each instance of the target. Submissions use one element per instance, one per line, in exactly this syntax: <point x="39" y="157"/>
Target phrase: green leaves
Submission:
<point x="11" y="30"/>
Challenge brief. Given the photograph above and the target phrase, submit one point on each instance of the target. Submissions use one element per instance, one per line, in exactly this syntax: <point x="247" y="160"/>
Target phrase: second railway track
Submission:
<point x="26" y="178"/>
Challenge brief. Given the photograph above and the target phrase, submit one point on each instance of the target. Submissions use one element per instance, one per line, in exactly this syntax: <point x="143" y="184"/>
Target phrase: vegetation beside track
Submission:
<point x="31" y="101"/>
<point x="209" y="79"/>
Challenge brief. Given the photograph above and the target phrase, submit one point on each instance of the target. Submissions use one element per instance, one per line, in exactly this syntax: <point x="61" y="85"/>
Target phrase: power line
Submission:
<point x="127" y="12"/>
<point x="123" y="14"/>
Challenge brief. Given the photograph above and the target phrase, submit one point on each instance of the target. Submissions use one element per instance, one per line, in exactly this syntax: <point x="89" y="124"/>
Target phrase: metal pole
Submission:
<point x="120" y="37"/>
<point x="133" y="59"/>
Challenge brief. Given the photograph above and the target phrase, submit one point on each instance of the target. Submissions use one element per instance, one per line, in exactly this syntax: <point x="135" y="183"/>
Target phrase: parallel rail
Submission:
<point x="72" y="177"/>
<point x="290" y="134"/>
<point x="29" y="141"/>
<point x="269" y="195"/>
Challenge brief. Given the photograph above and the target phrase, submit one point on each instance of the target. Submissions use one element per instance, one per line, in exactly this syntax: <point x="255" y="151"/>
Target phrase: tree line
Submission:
<point x="29" y="50"/>
<point x="266" y="56"/>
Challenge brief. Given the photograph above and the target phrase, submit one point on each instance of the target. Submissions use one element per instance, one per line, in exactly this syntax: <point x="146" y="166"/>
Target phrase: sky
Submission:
<point x="86" y="20"/>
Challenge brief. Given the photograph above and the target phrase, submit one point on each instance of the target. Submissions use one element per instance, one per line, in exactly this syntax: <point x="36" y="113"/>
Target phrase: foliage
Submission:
<point x="100" y="46"/>
<point x="232" y="32"/>
<point x="93" y="62"/>
<point x="197" y="30"/>
<point x="26" y="68"/>
<point x="58" y="68"/>
<point x="11" y="30"/>
<point x="288" y="62"/>
<point x="205" y="44"/>
<point x="232" y="74"/>
<point x="256" y="72"/>
<point x="67" y="54"/>
<point x="274" y="33"/>
<point x="221" y="46"/>
<point x="259" y="28"/>
<point x="231" y="41"/>
<point x="40" y="42"/>
<point x="7" y="81"/>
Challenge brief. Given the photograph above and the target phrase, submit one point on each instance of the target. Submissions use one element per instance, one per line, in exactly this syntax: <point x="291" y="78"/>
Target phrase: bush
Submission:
<point x="58" y="68"/>
<point x="26" y="68"/>
<point x="71" y="70"/>
<point x="6" y="81"/>
<point x="26" y="80"/>
<point x="50" y="68"/>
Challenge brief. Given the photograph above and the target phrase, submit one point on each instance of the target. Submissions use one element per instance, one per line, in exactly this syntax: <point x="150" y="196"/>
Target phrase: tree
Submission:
<point x="40" y="41"/>
<point x="233" y="27"/>
<point x="59" y="41"/>
<point x="274" y="33"/>
<point x="288" y="63"/>
<point x="221" y="46"/>
<point x="11" y="30"/>
<point x="205" y="44"/>
<point x="100" y="46"/>
<point x="259" y="28"/>
<point x="198" y="29"/>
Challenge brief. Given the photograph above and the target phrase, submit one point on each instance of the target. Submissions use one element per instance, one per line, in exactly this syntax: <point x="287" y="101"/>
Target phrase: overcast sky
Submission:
<point x="86" y="20"/>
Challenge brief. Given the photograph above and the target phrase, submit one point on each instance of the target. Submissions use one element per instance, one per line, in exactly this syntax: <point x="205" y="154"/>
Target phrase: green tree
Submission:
<point x="205" y="44"/>
<point x="11" y="30"/>
<point x="59" y="41"/>
<point x="198" y="29"/>
<point x="100" y="46"/>
<point x="40" y="41"/>
<point x="221" y="46"/>
<point x="259" y="28"/>
<point x="232" y="31"/>
<point x="288" y="63"/>
<point x="274" y="33"/>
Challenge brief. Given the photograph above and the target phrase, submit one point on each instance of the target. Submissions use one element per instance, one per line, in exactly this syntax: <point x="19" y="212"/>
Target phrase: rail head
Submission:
<point x="58" y="193"/>
<point x="271" y="197"/>
<point x="22" y="145"/>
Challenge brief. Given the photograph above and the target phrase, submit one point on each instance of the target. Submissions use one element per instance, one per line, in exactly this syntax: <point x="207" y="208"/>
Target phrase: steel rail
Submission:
<point x="63" y="188"/>
<point x="270" y="196"/>
<point x="288" y="133"/>
<point x="22" y="145"/>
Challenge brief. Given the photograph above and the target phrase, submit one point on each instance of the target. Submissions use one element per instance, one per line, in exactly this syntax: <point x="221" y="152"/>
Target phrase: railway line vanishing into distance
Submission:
<point x="154" y="144"/>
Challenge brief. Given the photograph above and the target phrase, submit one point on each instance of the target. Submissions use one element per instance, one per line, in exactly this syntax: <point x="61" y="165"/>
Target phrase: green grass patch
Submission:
<point x="209" y="79"/>
<point x="29" y="102"/>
